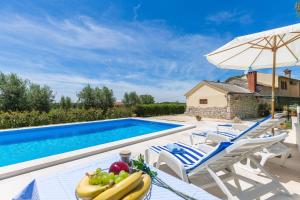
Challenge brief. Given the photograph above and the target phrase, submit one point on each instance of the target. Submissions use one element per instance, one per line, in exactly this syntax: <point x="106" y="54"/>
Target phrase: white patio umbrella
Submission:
<point x="268" y="49"/>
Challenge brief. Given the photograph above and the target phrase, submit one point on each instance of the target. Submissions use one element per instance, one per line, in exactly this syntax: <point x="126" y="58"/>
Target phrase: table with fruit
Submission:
<point x="111" y="179"/>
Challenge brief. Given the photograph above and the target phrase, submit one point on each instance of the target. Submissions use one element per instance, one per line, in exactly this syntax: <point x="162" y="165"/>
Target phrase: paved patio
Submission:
<point x="288" y="175"/>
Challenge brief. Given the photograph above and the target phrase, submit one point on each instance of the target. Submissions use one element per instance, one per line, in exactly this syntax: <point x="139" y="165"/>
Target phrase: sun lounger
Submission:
<point x="261" y="128"/>
<point x="187" y="161"/>
<point x="255" y="130"/>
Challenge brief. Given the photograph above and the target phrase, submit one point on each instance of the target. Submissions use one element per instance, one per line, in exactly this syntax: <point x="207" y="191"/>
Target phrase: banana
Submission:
<point x="86" y="191"/>
<point x="141" y="190"/>
<point x="119" y="190"/>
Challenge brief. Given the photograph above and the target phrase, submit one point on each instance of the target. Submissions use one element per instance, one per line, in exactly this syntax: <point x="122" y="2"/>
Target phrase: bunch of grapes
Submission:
<point x="100" y="177"/>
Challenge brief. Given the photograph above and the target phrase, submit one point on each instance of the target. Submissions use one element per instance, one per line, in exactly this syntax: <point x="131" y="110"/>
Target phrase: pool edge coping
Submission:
<point x="40" y="163"/>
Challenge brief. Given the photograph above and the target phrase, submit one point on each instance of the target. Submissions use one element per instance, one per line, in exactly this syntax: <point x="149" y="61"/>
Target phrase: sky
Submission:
<point x="152" y="47"/>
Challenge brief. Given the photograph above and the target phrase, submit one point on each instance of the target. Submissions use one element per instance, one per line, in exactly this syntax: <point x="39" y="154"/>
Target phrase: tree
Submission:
<point x="87" y="97"/>
<point x="131" y="99"/>
<point x="104" y="98"/>
<point x="68" y="103"/>
<point x="146" y="99"/>
<point x="12" y="93"/>
<point x="97" y="98"/>
<point x="62" y="103"/>
<point x="108" y="99"/>
<point x="40" y="97"/>
<point x="65" y="103"/>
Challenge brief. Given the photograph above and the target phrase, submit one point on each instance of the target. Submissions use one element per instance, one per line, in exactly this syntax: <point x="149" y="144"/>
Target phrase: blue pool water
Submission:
<point x="22" y="145"/>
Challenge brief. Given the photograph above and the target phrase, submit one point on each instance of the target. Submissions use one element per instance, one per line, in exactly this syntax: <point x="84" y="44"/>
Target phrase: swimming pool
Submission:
<point x="27" y="144"/>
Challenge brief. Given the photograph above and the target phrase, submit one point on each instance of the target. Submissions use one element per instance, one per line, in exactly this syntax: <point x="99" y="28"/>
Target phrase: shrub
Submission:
<point x="22" y="119"/>
<point x="120" y="112"/>
<point x="55" y="116"/>
<point x="263" y="109"/>
<point x="159" y="109"/>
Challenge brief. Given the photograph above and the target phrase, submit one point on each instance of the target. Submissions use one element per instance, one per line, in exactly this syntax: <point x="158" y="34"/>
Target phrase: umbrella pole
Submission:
<point x="273" y="77"/>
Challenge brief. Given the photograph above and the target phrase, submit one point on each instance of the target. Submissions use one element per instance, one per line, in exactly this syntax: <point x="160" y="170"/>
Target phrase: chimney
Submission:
<point x="287" y="73"/>
<point x="252" y="80"/>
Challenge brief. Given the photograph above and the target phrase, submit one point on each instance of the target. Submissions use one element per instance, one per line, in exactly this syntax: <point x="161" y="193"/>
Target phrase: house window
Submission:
<point x="283" y="85"/>
<point x="203" y="101"/>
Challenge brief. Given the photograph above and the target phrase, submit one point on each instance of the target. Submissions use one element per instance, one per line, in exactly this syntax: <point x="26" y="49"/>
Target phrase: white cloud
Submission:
<point x="230" y="16"/>
<point x="147" y="57"/>
<point x="135" y="11"/>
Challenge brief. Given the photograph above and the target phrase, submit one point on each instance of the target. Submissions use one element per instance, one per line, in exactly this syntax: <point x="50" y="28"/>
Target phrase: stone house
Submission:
<point x="238" y="96"/>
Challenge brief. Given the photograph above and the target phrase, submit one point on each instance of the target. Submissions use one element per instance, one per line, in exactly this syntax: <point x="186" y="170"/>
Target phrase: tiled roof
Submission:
<point x="228" y="87"/>
<point x="238" y="86"/>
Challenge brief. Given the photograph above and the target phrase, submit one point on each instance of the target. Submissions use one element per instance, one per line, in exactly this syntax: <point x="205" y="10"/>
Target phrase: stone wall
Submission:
<point x="210" y="112"/>
<point x="242" y="106"/>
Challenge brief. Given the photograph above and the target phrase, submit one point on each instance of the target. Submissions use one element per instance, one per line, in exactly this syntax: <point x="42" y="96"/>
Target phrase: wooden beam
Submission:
<point x="289" y="49"/>
<point x="238" y="53"/>
<point x="290" y="40"/>
<point x="214" y="53"/>
<point x="273" y="78"/>
<point x="258" y="46"/>
<point x="268" y="42"/>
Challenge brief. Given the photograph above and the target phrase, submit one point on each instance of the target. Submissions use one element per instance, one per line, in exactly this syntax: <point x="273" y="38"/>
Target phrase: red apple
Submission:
<point x="116" y="167"/>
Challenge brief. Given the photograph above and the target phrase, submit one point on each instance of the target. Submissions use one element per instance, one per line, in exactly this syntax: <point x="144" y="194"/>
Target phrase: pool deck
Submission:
<point x="289" y="175"/>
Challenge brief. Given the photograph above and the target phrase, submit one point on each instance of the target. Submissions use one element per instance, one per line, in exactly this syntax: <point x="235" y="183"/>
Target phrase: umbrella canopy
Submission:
<point x="268" y="49"/>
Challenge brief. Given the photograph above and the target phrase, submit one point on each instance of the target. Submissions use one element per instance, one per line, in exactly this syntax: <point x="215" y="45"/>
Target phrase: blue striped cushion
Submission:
<point x="217" y="150"/>
<point x="227" y="134"/>
<point x="192" y="157"/>
<point x="188" y="157"/>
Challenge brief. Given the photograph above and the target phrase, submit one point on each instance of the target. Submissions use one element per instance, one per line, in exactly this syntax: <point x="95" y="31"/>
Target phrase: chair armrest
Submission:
<point x="240" y="127"/>
<point x="215" y="137"/>
<point x="225" y="125"/>
<point x="205" y="148"/>
<point x="173" y="163"/>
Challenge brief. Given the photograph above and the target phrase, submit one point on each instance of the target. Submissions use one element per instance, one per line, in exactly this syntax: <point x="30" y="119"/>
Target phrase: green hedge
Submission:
<point x="57" y="116"/>
<point x="159" y="109"/>
<point x="119" y="112"/>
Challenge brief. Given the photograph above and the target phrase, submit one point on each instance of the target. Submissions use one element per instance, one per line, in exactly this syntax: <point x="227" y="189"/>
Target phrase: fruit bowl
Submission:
<point x="147" y="196"/>
<point x="120" y="184"/>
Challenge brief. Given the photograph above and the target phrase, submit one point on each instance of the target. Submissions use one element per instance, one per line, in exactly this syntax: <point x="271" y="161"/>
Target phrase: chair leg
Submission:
<point x="157" y="165"/>
<point x="235" y="179"/>
<point x="192" y="139"/>
<point x="220" y="183"/>
<point x="276" y="181"/>
<point x="247" y="166"/>
<point x="264" y="159"/>
<point x="284" y="158"/>
<point x="147" y="156"/>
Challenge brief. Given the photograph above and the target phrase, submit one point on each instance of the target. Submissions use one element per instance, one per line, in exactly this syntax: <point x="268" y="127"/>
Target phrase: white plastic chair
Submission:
<point x="234" y="133"/>
<point x="211" y="160"/>
<point x="261" y="128"/>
